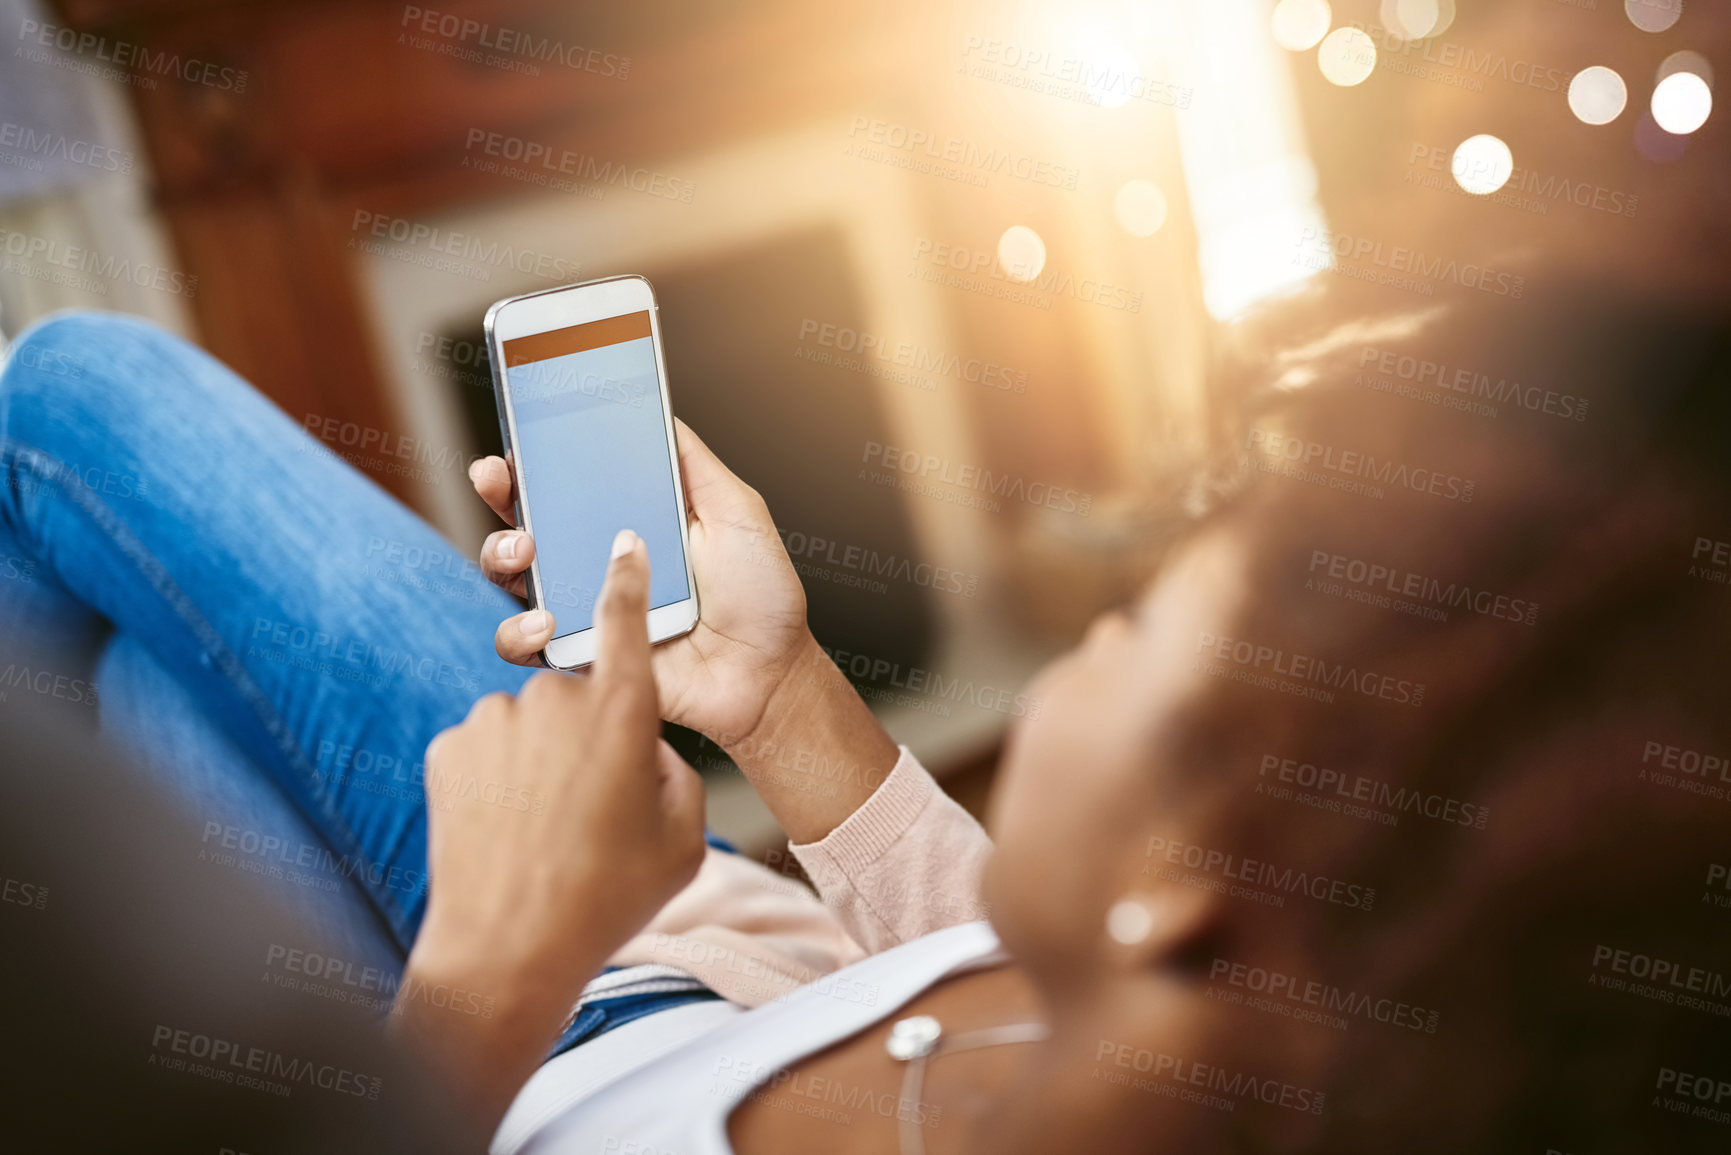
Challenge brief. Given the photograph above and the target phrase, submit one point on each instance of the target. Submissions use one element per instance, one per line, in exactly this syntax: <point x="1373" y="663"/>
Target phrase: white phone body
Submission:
<point x="581" y="386"/>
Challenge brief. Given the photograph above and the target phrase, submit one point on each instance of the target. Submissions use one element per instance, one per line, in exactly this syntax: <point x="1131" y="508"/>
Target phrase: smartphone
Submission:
<point x="582" y="390"/>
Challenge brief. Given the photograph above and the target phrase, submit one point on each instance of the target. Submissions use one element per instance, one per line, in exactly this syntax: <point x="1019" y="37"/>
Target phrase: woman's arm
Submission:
<point x="558" y="824"/>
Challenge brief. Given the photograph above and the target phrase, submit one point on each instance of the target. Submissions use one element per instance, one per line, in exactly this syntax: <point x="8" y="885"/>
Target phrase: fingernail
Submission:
<point x="624" y="543"/>
<point x="507" y="548"/>
<point x="535" y="622"/>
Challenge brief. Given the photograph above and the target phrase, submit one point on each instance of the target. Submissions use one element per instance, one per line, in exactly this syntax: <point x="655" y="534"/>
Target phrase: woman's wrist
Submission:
<point x="488" y="970"/>
<point x="782" y="699"/>
<point x="817" y="752"/>
<point x="482" y="1024"/>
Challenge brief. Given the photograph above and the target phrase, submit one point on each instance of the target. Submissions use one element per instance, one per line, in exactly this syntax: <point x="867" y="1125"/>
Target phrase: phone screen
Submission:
<point x="593" y="460"/>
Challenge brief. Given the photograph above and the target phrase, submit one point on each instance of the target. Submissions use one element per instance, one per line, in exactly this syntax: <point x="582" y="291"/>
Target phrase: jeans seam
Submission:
<point x="223" y="658"/>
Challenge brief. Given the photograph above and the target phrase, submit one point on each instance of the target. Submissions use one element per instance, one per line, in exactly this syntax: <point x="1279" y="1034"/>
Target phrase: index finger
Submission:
<point x="622" y="616"/>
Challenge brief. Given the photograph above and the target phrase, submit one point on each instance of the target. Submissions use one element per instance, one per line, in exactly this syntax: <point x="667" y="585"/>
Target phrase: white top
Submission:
<point x="666" y="1084"/>
<point x="586" y="1068"/>
<point x="899" y="882"/>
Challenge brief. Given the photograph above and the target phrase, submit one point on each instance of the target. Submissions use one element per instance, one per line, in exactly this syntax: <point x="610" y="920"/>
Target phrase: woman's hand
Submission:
<point x="558" y="824"/>
<point x="750" y="677"/>
<point x="751" y="636"/>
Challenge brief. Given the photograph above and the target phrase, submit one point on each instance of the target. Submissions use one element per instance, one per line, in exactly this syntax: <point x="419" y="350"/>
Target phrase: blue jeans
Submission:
<point x="272" y="637"/>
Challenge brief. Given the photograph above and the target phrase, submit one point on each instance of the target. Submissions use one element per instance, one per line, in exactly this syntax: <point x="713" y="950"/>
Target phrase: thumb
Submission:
<point x="710" y="487"/>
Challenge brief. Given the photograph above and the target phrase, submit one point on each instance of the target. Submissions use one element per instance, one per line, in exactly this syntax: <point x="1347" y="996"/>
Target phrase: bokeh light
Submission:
<point x="1021" y="252"/>
<point x="1113" y="75"/>
<point x="1347" y="57"/>
<point x="1445" y="17"/>
<point x="1653" y="15"/>
<point x="1597" y="95"/>
<point x="1410" y="19"/>
<point x="1300" y="24"/>
<point x="1681" y="103"/>
<point x="1483" y="164"/>
<point x="1685" y="61"/>
<point x="1655" y="143"/>
<point x="1140" y="208"/>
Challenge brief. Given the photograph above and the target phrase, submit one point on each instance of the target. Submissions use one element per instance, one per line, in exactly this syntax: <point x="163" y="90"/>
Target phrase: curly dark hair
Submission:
<point x="1513" y="511"/>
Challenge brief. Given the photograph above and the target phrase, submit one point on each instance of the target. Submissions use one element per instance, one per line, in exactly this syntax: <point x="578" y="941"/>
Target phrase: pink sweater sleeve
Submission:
<point x="905" y="864"/>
